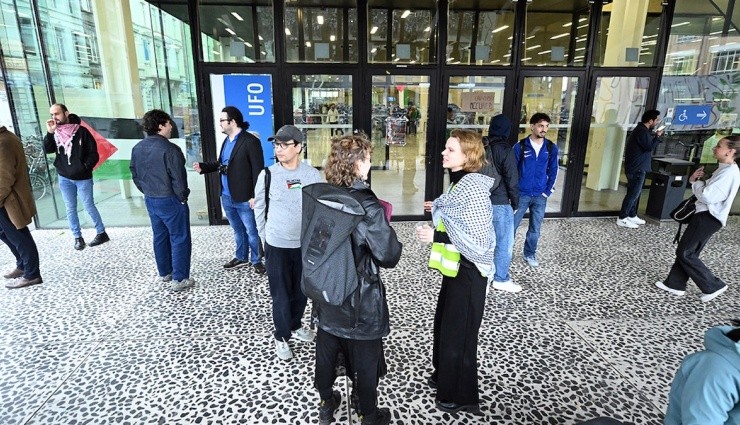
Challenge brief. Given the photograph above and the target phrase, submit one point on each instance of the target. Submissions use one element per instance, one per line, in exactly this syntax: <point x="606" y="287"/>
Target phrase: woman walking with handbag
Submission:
<point x="462" y="251"/>
<point x="713" y="203"/>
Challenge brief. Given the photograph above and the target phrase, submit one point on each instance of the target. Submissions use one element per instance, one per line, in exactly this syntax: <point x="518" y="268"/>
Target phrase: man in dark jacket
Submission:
<point x="17" y="209"/>
<point x="637" y="162"/>
<point x="158" y="170"/>
<point x="505" y="200"/>
<point x="239" y="163"/>
<point x="76" y="156"/>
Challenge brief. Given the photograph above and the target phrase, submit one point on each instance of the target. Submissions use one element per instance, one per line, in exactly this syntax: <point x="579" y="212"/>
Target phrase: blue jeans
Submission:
<point x="503" y="224"/>
<point x="171" y="228"/>
<point x="70" y="189"/>
<point x="241" y="219"/>
<point x="21" y="244"/>
<point x="635" y="181"/>
<point x="536" y="206"/>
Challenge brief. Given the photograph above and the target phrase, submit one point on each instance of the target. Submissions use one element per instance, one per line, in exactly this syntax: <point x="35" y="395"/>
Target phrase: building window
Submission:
<point x="726" y="61"/>
<point x="61" y="50"/>
<point x="82" y="52"/>
<point x="28" y="39"/>
<point x="85" y="6"/>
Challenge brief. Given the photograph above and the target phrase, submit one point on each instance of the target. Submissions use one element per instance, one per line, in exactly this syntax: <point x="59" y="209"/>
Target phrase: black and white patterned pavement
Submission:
<point x="589" y="336"/>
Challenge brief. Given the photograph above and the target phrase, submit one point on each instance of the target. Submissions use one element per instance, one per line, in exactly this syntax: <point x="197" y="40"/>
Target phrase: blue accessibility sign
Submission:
<point x="692" y="115"/>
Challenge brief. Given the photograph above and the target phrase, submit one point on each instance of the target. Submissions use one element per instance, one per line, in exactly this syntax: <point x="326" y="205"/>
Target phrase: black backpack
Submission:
<point x="489" y="168"/>
<point x="330" y="215"/>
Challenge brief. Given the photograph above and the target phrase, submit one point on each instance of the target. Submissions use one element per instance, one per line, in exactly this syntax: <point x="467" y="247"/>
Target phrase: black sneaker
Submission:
<point x="79" y="244"/>
<point x="327" y="408"/>
<point x="235" y="263"/>
<point x="259" y="268"/>
<point x="380" y="417"/>
<point x="99" y="239"/>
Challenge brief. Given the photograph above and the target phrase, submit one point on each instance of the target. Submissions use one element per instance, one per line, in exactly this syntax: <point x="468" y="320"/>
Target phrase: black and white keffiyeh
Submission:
<point x="467" y="214"/>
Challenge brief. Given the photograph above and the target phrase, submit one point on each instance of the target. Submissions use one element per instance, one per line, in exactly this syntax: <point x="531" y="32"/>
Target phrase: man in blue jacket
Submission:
<point x="637" y="162"/>
<point x="537" y="159"/>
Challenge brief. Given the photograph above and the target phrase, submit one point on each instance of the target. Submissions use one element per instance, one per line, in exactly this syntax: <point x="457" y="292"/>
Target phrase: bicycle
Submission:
<point x="38" y="169"/>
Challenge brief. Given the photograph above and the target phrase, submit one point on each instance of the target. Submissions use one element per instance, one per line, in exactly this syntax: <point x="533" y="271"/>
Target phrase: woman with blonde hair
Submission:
<point x="462" y="251"/>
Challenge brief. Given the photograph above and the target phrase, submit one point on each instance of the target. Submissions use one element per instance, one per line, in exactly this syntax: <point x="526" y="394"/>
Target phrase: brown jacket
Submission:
<point x="15" y="185"/>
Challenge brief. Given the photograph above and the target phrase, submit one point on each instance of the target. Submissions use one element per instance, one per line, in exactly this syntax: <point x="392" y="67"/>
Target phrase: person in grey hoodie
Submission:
<point x="505" y="200"/>
<point x="279" y="228"/>
<point x="706" y="388"/>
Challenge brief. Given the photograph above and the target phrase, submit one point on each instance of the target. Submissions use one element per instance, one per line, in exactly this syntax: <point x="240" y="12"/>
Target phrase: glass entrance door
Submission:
<point x="557" y="97"/>
<point x="399" y="131"/>
<point x="617" y="106"/>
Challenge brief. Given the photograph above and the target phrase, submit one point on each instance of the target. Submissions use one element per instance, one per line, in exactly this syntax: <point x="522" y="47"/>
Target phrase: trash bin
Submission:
<point x="668" y="186"/>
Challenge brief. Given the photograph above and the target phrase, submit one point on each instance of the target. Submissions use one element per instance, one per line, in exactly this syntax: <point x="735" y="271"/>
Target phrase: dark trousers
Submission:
<point x="456" y="323"/>
<point x="635" y="181"/>
<point x="284" y="269"/>
<point x="688" y="265"/>
<point x="21" y="244"/>
<point x="171" y="229"/>
<point x="364" y="359"/>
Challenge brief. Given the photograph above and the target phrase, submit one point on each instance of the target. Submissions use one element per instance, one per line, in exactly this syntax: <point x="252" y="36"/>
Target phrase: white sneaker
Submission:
<point x="675" y="292"/>
<point x="626" y="222"/>
<point x="282" y="349"/>
<point x="709" y="297"/>
<point x="507" y="286"/>
<point x="163" y="279"/>
<point x="181" y="285"/>
<point x="305" y="335"/>
<point x="532" y="261"/>
<point x="637" y="220"/>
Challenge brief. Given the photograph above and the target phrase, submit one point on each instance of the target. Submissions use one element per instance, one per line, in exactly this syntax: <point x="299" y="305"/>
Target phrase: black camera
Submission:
<point x="223" y="169"/>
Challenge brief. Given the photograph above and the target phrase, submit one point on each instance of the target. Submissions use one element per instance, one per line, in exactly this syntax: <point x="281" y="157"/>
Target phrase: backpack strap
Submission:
<point x="268" y="178"/>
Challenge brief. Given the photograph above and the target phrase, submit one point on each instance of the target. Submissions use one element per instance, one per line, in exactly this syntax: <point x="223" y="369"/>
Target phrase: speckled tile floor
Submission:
<point x="589" y="336"/>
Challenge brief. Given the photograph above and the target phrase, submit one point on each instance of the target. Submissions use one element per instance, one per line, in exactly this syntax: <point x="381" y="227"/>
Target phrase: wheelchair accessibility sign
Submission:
<point x="692" y="114"/>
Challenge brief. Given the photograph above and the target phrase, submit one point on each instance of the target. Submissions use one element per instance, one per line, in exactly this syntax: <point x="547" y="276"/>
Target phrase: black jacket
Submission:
<point x="158" y="168"/>
<point x="639" y="150"/>
<point x="79" y="165"/>
<point x="505" y="162"/>
<point x="245" y="163"/>
<point x="364" y="315"/>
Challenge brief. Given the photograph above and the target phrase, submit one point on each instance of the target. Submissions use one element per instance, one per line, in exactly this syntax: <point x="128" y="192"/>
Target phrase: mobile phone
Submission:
<point x="661" y="128"/>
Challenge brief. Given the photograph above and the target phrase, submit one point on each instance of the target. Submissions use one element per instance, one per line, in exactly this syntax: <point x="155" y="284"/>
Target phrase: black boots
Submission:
<point x="99" y="238"/>
<point x="79" y="244"/>
<point x="327" y="408"/>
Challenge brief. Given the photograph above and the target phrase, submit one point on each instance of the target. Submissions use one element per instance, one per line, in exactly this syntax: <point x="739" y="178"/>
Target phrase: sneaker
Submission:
<point x="22" y="282"/>
<point x="305" y="335"/>
<point x="259" y="268"/>
<point x="532" y="261"/>
<point x="327" y="408"/>
<point x="637" y="220"/>
<point x="626" y="222"/>
<point x="12" y="274"/>
<point x="709" y="297"/>
<point x="282" y="349"/>
<point x="382" y="416"/>
<point x="235" y="263"/>
<point x="79" y="244"/>
<point x="181" y="285"/>
<point x="675" y="292"/>
<point x="163" y="279"/>
<point x="100" y="238"/>
<point x="507" y="286"/>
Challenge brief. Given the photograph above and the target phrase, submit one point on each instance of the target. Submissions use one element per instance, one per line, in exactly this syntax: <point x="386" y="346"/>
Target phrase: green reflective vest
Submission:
<point x="444" y="256"/>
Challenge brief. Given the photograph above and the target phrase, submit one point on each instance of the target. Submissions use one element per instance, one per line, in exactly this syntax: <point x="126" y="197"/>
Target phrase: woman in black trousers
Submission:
<point x="463" y="252"/>
<point x="713" y="204"/>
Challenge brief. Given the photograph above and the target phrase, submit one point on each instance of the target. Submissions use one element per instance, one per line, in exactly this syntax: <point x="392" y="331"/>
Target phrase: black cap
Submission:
<point x="288" y="133"/>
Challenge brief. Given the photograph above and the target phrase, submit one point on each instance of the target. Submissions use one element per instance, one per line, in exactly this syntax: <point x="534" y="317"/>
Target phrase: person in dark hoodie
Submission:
<point x="505" y="200"/>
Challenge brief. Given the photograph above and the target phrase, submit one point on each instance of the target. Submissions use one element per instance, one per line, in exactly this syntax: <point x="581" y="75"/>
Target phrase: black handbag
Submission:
<point x="683" y="214"/>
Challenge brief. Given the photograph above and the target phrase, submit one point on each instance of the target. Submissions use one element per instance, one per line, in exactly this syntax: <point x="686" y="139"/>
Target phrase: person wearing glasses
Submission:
<point x="277" y="206"/>
<point x="239" y="163"/>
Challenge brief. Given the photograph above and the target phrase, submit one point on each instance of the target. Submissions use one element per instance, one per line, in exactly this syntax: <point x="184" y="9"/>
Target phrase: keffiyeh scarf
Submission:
<point x="63" y="136"/>
<point x="467" y="214"/>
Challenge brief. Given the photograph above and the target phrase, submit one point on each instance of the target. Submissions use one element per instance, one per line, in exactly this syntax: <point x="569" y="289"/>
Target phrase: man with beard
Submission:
<point x="76" y="156"/>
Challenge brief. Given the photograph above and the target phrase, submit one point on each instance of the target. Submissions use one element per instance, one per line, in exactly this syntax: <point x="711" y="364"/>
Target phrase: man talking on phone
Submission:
<point x="637" y="162"/>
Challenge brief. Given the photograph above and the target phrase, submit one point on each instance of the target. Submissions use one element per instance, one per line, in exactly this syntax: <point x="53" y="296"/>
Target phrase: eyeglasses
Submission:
<point x="282" y="145"/>
<point x="227" y="120"/>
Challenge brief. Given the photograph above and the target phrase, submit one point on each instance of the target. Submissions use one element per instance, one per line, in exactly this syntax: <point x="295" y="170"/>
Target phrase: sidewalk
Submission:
<point x="588" y="336"/>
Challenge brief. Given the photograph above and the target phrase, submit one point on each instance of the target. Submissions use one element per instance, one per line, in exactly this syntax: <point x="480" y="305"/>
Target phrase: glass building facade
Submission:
<point x="405" y="73"/>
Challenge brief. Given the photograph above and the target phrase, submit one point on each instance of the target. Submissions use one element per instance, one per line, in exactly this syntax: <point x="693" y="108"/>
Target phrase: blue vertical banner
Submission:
<point x="252" y="94"/>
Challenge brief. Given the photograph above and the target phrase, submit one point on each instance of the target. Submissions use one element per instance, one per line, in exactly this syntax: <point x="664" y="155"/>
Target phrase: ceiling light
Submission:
<point x="496" y="61"/>
<point x="248" y="44"/>
<point x="332" y="38"/>
<point x="534" y="47"/>
<point x="320" y="19"/>
<point x="375" y="49"/>
<point x="287" y="31"/>
<point x="530" y="37"/>
<point x="544" y="52"/>
<point x="499" y="29"/>
<point x="236" y="15"/>
<point x="680" y="24"/>
<point x="308" y="44"/>
<point x="230" y="31"/>
<point x="260" y="37"/>
<point x="427" y="29"/>
<point x="567" y="24"/>
<point x="405" y="14"/>
<point x="560" y="36"/>
<point x="526" y="59"/>
<point x="374" y="30"/>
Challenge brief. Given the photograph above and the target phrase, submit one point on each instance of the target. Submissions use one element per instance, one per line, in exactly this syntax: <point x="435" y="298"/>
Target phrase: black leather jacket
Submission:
<point x="364" y="315"/>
